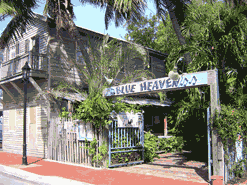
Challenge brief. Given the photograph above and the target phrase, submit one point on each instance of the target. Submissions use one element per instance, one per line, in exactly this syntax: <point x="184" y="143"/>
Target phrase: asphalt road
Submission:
<point x="6" y="179"/>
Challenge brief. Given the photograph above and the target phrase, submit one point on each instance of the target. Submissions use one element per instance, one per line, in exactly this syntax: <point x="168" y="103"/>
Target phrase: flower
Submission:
<point x="239" y="137"/>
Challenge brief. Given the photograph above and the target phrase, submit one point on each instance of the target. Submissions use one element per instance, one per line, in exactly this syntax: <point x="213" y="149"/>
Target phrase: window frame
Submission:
<point x="17" y="49"/>
<point x="27" y="48"/>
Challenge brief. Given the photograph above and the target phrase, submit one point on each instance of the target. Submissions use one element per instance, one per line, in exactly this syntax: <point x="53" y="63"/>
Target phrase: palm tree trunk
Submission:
<point x="178" y="32"/>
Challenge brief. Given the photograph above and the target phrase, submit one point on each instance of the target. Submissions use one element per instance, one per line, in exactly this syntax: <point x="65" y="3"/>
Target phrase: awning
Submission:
<point x="69" y="96"/>
<point x="142" y="101"/>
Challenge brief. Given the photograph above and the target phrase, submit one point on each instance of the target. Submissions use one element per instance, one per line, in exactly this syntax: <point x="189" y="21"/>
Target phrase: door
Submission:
<point x="209" y="145"/>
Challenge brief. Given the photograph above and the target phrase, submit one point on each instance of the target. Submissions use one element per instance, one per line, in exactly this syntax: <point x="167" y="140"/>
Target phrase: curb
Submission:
<point x="44" y="180"/>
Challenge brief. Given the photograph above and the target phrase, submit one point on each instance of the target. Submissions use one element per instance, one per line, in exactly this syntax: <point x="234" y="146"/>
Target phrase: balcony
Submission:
<point x="13" y="68"/>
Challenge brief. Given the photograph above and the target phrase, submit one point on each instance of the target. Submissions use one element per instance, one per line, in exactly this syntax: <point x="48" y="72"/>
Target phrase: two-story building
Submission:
<point x="50" y="65"/>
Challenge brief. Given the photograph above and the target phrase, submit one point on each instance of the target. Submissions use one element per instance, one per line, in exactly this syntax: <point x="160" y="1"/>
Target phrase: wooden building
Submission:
<point x="50" y="63"/>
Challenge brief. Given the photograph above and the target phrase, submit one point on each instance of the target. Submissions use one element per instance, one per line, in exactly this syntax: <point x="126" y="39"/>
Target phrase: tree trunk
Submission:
<point x="178" y="32"/>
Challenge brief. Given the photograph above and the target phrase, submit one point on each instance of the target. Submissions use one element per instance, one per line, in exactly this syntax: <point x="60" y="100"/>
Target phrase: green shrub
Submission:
<point x="150" y="147"/>
<point x="172" y="144"/>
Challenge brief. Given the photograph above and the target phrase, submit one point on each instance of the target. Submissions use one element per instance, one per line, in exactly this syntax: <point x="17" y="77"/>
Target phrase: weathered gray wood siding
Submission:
<point x="36" y="121"/>
<point x="40" y="30"/>
<point x="157" y="66"/>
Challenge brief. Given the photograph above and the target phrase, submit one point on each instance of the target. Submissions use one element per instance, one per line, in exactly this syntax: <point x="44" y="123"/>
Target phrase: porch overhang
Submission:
<point x="142" y="101"/>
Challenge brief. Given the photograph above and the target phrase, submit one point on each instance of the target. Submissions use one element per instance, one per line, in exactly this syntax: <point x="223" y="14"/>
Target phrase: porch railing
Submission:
<point x="14" y="66"/>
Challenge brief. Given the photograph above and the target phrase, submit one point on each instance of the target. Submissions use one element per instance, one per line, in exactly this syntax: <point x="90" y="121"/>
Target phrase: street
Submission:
<point x="6" y="179"/>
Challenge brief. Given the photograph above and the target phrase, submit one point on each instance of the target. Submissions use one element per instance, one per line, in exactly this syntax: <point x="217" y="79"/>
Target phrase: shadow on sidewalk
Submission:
<point x="35" y="161"/>
<point x="182" y="160"/>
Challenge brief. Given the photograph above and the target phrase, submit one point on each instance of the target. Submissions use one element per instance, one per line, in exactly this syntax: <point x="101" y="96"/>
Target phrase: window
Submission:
<point x="12" y="52"/>
<point x="35" y="44"/>
<point x="17" y="49"/>
<point x="26" y="46"/>
<point x="7" y="53"/>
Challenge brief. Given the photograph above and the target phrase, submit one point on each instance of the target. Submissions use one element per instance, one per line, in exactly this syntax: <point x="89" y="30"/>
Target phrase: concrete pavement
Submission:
<point x="39" y="179"/>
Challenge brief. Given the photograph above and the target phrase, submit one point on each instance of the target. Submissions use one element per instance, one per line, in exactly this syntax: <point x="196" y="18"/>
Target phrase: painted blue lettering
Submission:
<point x="155" y="85"/>
<point x="127" y="89"/>
<point x="181" y="81"/>
<point x="168" y="83"/>
<point x="122" y="89"/>
<point x="112" y="91"/>
<point x="132" y="88"/>
<point x="118" y="90"/>
<point x="195" y="79"/>
<point x="162" y="84"/>
<point x="175" y="83"/>
<point x="143" y="87"/>
<point x="185" y="83"/>
<point x="149" y="85"/>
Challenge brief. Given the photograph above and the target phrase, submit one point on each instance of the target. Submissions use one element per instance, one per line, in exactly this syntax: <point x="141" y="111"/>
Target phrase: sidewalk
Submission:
<point x="47" y="172"/>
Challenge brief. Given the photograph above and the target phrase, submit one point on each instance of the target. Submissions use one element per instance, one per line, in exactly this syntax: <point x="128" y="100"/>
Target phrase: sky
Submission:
<point x="90" y="17"/>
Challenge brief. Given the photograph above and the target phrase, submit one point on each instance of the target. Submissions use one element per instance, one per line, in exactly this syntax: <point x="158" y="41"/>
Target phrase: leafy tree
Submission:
<point x="143" y="32"/>
<point x="177" y="13"/>
<point x="218" y="41"/>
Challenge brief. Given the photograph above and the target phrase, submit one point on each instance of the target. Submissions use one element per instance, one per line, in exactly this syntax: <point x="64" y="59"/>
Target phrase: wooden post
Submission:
<point x="217" y="146"/>
<point x="67" y="146"/>
<point x="165" y="126"/>
<point x="80" y="153"/>
<point x="83" y="152"/>
<point x="77" y="150"/>
<point x="70" y="141"/>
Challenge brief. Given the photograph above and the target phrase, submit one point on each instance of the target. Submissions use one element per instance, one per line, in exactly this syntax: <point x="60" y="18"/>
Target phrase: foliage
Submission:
<point x="92" y="147"/>
<point x="150" y="147"/>
<point x="172" y="144"/>
<point x="125" y="157"/>
<point x="22" y="16"/>
<point x="143" y="32"/>
<point x="231" y="118"/>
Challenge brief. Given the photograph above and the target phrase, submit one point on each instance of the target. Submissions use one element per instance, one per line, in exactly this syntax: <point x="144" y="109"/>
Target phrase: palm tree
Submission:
<point x="176" y="10"/>
<point x="22" y="15"/>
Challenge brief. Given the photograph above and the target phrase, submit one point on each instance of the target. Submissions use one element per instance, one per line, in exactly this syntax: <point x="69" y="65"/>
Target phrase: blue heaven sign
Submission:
<point x="158" y="84"/>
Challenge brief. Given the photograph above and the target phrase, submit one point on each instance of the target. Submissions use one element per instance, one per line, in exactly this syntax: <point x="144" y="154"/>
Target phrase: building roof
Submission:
<point x="44" y="18"/>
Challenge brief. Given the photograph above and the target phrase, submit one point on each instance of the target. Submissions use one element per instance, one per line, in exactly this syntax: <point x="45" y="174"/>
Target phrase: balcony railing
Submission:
<point x="14" y="66"/>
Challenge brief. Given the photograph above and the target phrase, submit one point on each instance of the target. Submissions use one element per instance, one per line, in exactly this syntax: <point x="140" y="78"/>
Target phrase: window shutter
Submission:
<point x="37" y="44"/>
<point x="26" y="46"/>
<point x="17" y="48"/>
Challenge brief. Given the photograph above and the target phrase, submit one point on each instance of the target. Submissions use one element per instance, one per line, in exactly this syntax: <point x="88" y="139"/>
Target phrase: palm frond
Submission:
<point x="119" y="11"/>
<point x="21" y="10"/>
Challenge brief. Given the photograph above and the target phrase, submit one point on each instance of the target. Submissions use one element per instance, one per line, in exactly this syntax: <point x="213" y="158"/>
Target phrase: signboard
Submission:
<point x="85" y="131"/>
<point x="186" y="80"/>
<point x="70" y="127"/>
<point x="128" y="119"/>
